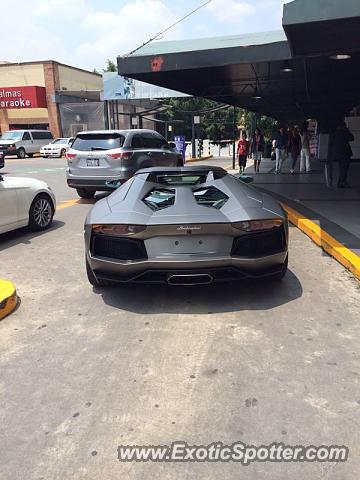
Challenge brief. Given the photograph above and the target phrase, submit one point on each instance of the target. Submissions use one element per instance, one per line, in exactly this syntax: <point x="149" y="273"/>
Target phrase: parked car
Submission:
<point x="185" y="226"/>
<point x="99" y="156"/>
<point x="57" y="148"/>
<point x="24" y="142"/>
<point x="25" y="202"/>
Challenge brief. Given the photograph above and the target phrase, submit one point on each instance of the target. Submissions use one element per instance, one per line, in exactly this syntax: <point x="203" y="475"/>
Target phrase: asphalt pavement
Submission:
<point x="85" y="370"/>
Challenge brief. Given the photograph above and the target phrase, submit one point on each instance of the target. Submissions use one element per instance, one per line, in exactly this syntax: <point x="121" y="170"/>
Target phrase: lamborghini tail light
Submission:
<point x="118" y="230"/>
<point x="258" y="225"/>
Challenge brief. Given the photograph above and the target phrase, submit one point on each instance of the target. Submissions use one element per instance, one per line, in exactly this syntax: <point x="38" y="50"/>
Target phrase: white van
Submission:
<point x="24" y="142"/>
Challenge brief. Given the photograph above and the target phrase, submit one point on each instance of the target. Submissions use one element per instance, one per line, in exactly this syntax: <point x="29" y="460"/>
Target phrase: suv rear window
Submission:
<point x="98" y="141"/>
<point x="148" y="140"/>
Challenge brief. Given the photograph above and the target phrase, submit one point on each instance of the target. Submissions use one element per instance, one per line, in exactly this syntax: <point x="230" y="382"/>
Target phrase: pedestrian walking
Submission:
<point x="257" y="148"/>
<point x="281" y="143"/>
<point x="243" y="152"/>
<point x="305" y="165"/>
<point x="294" y="148"/>
<point x="340" y="151"/>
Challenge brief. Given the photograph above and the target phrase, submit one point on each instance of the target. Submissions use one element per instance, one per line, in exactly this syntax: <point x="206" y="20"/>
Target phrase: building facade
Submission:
<point x="32" y="94"/>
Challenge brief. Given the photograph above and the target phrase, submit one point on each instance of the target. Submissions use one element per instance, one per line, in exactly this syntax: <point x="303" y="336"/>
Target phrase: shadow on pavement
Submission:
<point x="220" y="298"/>
<point x="24" y="235"/>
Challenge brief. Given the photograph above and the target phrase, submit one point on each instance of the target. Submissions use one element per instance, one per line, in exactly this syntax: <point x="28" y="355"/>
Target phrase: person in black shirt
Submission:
<point x="340" y="151"/>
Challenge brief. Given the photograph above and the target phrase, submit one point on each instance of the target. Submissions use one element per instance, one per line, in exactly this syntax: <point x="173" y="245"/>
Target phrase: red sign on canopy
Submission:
<point x="23" y="97"/>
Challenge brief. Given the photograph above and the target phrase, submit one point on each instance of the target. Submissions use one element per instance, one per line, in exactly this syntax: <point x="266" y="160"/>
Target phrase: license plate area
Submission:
<point x="92" y="162"/>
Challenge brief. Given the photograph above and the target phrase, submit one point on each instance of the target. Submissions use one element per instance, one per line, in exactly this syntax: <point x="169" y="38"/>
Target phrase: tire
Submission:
<point x="84" y="193"/>
<point x="279" y="276"/>
<point x="93" y="280"/>
<point x="30" y="155"/>
<point x="21" y="153"/>
<point x="179" y="163"/>
<point x="41" y="213"/>
<point x="62" y="153"/>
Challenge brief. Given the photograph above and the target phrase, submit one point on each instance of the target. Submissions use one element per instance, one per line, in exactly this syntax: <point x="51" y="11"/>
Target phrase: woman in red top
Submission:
<point x="243" y="152"/>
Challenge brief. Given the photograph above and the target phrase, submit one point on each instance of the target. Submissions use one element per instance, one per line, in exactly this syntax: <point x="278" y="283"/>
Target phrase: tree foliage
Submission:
<point x="216" y="126"/>
<point x="110" y="66"/>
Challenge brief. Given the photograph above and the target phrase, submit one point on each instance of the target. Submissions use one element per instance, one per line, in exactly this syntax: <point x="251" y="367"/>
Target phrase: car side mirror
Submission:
<point x="172" y="145"/>
<point x="113" y="184"/>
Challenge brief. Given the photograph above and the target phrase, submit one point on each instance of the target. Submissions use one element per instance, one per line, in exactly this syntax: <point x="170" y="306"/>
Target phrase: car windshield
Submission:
<point x="98" y="141"/>
<point x="59" y="140"/>
<point x="12" y="136"/>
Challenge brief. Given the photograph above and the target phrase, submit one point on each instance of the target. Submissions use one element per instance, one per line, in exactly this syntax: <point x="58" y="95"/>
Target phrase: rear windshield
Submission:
<point x="98" y="141"/>
<point x="181" y="179"/>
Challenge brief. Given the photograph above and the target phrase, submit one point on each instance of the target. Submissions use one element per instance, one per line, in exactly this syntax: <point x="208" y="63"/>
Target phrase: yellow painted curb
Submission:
<point x="8" y="298"/>
<point x="328" y="243"/>
<point x="197" y="159"/>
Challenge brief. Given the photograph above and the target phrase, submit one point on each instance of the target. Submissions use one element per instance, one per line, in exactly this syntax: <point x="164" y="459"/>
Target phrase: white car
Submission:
<point x="25" y="202"/>
<point x="57" y="148"/>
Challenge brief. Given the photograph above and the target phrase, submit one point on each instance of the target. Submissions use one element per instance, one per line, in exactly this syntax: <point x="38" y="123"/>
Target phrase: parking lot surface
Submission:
<point x="85" y="370"/>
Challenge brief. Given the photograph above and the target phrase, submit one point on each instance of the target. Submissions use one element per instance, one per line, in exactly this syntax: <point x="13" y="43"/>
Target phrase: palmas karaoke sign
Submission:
<point x="23" y="97"/>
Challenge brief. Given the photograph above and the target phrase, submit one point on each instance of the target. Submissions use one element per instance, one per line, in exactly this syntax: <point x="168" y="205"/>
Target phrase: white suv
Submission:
<point x="24" y="142"/>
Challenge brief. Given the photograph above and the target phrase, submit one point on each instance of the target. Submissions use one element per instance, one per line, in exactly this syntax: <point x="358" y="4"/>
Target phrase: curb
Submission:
<point x="329" y="244"/>
<point x="8" y="298"/>
<point x="197" y="159"/>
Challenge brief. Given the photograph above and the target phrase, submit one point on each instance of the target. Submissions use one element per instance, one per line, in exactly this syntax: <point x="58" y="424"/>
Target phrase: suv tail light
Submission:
<point x="70" y="155"/>
<point x="120" y="155"/>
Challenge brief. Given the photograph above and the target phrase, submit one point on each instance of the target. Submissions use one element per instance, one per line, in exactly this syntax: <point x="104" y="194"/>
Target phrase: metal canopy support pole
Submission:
<point x="106" y="115"/>
<point x="193" y="153"/>
<point x="234" y="138"/>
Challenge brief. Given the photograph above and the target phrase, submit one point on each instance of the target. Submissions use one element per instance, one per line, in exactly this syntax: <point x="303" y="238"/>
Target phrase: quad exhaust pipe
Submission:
<point x="190" y="279"/>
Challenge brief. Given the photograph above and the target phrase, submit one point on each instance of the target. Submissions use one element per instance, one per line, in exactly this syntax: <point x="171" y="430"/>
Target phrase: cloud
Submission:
<point x="113" y="34"/>
<point x="231" y="10"/>
<point x="85" y="33"/>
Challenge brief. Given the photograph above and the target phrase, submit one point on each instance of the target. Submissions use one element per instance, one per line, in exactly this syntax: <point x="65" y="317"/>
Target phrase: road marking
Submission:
<point x="71" y="203"/>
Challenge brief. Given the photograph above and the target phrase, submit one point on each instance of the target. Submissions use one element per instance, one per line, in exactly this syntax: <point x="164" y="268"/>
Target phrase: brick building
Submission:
<point x="24" y="106"/>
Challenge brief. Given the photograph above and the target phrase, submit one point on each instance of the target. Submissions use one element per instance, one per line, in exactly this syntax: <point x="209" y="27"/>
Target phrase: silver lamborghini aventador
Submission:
<point x="185" y="226"/>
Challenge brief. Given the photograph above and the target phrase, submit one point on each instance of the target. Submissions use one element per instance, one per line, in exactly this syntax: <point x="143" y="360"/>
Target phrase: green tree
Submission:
<point x="110" y="66"/>
<point x="217" y="125"/>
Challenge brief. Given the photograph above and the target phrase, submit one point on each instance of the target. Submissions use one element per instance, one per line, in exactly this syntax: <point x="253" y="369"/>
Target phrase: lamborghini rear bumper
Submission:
<point x="191" y="270"/>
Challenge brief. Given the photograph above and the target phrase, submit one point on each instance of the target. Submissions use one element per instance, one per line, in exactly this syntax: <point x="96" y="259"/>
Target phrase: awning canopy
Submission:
<point x="236" y="69"/>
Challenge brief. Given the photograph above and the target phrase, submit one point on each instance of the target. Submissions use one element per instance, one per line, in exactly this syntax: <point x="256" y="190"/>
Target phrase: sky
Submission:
<point x="85" y="33"/>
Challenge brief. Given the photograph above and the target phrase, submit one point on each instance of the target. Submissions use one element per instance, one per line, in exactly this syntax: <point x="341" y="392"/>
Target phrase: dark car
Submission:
<point x="99" y="156"/>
